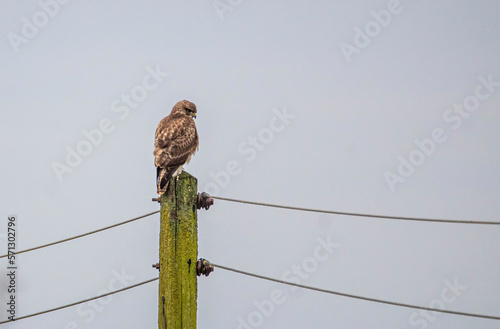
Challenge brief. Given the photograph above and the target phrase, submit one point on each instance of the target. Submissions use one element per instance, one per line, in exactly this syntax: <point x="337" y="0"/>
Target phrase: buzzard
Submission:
<point x="176" y="140"/>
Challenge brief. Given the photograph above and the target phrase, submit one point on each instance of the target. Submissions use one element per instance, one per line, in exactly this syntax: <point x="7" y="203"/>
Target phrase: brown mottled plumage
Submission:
<point x="176" y="140"/>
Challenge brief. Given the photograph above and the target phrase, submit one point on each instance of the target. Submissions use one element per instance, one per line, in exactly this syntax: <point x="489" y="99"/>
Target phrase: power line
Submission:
<point x="357" y="214"/>
<point x="273" y="206"/>
<point x="80" y="302"/>
<point x="357" y="297"/>
<point x="85" y="234"/>
<point x="375" y="300"/>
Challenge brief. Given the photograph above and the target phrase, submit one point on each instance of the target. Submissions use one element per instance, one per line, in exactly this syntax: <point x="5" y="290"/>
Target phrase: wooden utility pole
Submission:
<point x="178" y="254"/>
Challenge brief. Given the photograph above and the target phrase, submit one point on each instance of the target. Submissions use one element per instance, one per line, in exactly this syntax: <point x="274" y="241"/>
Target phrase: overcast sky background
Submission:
<point x="352" y="121"/>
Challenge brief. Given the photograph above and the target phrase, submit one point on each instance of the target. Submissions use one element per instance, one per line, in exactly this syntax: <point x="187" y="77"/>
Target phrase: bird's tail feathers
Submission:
<point x="162" y="179"/>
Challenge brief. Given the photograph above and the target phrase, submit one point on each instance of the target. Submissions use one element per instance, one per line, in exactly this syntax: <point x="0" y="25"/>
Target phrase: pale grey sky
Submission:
<point x="386" y="107"/>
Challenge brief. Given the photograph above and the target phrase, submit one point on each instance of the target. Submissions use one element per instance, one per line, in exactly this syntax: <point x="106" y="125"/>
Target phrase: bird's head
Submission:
<point x="185" y="108"/>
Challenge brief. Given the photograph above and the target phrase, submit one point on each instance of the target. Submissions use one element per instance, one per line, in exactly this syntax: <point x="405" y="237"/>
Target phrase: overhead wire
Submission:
<point x="82" y="235"/>
<point x="80" y="302"/>
<point x="375" y="300"/>
<point x="334" y="212"/>
<point x="369" y="299"/>
<point x="268" y="278"/>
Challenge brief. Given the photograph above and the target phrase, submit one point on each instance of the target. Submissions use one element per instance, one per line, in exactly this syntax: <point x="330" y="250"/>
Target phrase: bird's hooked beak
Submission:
<point x="194" y="115"/>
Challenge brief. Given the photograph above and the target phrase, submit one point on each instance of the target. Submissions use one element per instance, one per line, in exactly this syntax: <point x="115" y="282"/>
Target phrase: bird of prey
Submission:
<point x="176" y="140"/>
